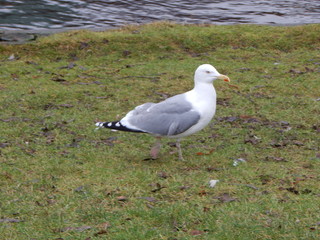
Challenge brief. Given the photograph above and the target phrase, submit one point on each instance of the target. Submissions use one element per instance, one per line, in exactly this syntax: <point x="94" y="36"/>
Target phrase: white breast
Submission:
<point x="203" y="100"/>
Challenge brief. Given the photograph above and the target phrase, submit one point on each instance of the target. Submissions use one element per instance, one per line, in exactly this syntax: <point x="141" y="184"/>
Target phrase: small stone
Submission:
<point x="212" y="183"/>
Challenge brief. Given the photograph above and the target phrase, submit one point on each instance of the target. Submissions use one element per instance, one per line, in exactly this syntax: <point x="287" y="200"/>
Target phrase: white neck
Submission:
<point x="205" y="91"/>
<point x="203" y="99"/>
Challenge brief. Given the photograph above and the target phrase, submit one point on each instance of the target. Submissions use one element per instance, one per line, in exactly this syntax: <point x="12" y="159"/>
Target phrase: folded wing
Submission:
<point x="170" y="117"/>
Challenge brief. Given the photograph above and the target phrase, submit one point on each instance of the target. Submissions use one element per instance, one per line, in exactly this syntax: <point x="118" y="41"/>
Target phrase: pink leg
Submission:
<point x="179" y="149"/>
<point x="156" y="149"/>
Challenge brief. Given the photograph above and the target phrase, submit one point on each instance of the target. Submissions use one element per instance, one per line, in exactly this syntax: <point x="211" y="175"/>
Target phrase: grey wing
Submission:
<point x="170" y="117"/>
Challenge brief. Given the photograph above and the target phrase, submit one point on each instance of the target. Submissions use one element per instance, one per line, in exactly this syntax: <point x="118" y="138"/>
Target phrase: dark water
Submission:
<point x="57" y="14"/>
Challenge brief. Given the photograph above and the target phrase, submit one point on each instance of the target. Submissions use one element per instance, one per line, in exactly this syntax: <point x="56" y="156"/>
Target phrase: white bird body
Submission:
<point x="203" y="99"/>
<point x="178" y="116"/>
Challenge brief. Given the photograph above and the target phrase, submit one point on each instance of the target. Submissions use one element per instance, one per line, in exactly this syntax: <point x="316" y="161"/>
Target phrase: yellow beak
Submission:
<point x="224" y="78"/>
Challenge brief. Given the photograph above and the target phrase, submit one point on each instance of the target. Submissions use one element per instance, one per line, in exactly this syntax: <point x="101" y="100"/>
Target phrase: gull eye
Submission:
<point x="208" y="72"/>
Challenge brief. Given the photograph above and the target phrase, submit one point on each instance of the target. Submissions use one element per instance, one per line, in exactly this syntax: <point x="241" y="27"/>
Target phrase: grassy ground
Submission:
<point x="60" y="179"/>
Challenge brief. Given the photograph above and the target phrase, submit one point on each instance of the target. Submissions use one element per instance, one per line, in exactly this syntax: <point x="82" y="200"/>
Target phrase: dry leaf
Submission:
<point x="149" y="199"/>
<point x="225" y="198"/>
<point x="122" y="198"/>
<point x="10" y="220"/>
<point x="196" y="232"/>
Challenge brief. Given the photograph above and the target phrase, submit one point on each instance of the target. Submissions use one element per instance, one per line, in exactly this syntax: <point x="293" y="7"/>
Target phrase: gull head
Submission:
<point x="206" y="73"/>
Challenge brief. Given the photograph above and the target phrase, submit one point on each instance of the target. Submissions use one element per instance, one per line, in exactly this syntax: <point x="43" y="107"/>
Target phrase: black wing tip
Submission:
<point x="116" y="125"/>
<point x="99" y="124"/>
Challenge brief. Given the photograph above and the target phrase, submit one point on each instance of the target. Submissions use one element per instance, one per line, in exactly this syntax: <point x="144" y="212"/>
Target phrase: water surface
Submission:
<point x="60" y="14"/>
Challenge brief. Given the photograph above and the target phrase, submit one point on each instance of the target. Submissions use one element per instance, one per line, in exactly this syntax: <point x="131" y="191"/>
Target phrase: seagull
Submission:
<point x="176" y="117"/>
